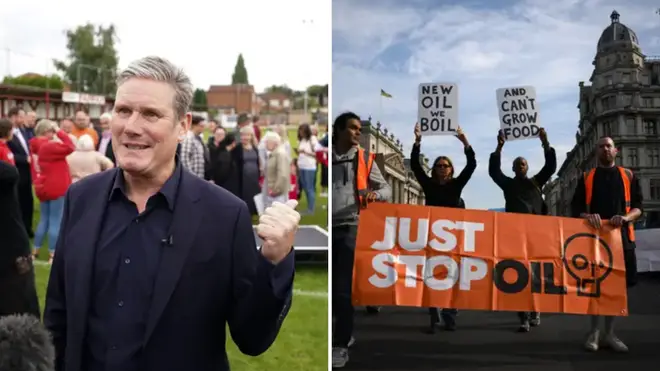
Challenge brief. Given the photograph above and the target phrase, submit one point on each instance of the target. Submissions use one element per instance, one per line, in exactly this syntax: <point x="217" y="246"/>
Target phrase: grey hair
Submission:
<point x="272" y="136"/>
<point x="160" y="69"/>
<point x="44" y="126"/>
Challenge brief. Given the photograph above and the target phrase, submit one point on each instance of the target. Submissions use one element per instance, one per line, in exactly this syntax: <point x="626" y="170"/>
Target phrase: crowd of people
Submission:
<point x="50" y="156"/>
<point x="607" y="192"/>
<point x="259" y="169"/>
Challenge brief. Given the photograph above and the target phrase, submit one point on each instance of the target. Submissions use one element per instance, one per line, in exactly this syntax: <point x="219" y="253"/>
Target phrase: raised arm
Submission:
<point x="465" y="175"/>
<point x="495" y="164"/>
<point x="550" y="165"/>
<point x="415" y="165"/>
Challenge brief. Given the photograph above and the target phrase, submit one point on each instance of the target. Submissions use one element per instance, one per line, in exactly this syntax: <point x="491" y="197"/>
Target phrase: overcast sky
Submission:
<point x="283" y="42"/>
<point x="482" y="46"/>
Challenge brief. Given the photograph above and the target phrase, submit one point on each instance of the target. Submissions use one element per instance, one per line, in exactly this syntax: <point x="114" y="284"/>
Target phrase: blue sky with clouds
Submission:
<point x="482" y="46"/>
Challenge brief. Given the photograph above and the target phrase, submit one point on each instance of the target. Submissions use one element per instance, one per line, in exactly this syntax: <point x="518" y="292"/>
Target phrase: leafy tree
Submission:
<point x="199" y="100"/>
<point x="92" y="61"/>
<point x="240" y="75"/>
<point x="37" y="81"/>
<point x="282" y="89"/>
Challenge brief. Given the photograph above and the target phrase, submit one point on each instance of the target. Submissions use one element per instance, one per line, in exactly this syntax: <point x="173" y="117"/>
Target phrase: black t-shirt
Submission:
<point x="608" y="198"/>
<point x="448" y="194"/>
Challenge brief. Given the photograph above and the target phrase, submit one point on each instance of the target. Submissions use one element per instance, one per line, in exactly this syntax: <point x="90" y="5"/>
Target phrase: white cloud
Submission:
<point x="548" y="44"/>
<point x="283" y="42"/>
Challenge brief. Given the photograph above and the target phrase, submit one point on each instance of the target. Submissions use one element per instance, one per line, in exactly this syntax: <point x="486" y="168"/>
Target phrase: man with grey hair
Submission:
<point x="104" y="146"/>
<point x="154" y="262"/>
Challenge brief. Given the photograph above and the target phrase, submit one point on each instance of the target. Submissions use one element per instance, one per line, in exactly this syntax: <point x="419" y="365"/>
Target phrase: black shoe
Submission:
<point x="524" y="327"/>
<point x="373" y="310"/>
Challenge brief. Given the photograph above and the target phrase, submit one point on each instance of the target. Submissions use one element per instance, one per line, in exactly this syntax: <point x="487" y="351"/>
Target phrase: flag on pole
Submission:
<point x="385" y="94"/>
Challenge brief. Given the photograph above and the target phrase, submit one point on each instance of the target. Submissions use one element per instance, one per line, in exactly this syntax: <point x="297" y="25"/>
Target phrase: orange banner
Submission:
<point x="424" y="256"/>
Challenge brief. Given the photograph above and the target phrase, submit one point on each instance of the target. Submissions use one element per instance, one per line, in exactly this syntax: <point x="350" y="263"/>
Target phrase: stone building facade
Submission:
<point x="622" y="102"/>
<point x="392" y="162"/>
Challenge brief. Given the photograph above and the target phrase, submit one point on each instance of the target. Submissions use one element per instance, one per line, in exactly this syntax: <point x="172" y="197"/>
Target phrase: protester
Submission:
<point x="443" y="189"/>
<point x="307" y="165"/>
<point x="158" y="293"/>
<point x="85" y="161"/>
<point x="276" y="172"/>
<point x="20" y="148"/>
<point x="356" y="182"/>
<point x="50" y="147"/>
<point x="523" y="195"/>
<point x="610" y="193"/>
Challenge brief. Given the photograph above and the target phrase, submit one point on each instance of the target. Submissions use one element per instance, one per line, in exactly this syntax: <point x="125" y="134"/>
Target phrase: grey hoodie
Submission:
<point x="344" y="207"/>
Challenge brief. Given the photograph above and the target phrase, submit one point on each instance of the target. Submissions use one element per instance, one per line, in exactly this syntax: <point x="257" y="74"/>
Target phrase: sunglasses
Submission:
<point x="443" y="166"/>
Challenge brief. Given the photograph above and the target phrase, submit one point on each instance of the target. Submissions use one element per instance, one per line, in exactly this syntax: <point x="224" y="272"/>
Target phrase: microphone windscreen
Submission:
<point x="25" y="344"/>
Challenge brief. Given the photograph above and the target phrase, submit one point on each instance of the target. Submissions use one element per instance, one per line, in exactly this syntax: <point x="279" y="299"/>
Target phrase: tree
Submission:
<point x="199" y="100"/>
<point x="37" y="81"/>
<point x="91" y="65"/>
<point x="282" y="89"/>
<point x="240" y="75"/>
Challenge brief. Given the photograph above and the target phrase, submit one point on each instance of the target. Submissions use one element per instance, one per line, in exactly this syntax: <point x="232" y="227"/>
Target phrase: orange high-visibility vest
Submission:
<point x="626" y="177"/>
<point x="364" y="163"/>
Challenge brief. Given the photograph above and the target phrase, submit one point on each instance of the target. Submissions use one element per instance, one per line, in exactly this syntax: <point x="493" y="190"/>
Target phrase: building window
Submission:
<point x="654" y="157"/>
<point x="631" y="156"/>
<point x="609" y="102"/>
<point x="627" y="100"/>
<point x="607" y="128"/>
<point x="655" y="189"/>
<point x="608" y="79"/>
<point x="647" y="102"/>
<point x="630" y="125"/>
<point x="625" y="78"/>
<point x="650" y="127"/>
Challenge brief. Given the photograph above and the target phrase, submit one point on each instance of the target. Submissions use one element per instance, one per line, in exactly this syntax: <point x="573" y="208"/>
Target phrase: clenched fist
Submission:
<point x="277" y="228"/>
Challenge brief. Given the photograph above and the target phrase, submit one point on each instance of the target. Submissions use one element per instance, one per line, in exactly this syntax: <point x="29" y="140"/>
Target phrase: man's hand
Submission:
<point x="543" y="136"/>
<point x="500" y="140"/>
<point x="372" y="197"/>
<point x="593" y="220"/>
<point x="277" y="228"/>
<point x="418" y="133"/>
<point x="618" y="220"/>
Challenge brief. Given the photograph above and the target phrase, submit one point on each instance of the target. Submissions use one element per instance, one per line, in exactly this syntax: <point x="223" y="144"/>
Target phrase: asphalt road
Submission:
<point x="394" y="340"/>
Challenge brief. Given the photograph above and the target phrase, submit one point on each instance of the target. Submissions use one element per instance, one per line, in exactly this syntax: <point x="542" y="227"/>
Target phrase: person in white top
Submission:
<point x="307" y="147"/>
<point x="85" y="160"/>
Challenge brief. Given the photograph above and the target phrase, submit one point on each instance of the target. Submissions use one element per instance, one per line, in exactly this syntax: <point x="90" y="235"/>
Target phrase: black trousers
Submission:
<point x="26" y="202"/>
<point x="343" y="255"/>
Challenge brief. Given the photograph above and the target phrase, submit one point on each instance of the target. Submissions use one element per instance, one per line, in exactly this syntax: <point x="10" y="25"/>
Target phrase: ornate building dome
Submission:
<point x="616" y="33"/>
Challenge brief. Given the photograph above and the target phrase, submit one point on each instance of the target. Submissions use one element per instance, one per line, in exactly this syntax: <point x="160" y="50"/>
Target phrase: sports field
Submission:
<point x="303" y="340"/>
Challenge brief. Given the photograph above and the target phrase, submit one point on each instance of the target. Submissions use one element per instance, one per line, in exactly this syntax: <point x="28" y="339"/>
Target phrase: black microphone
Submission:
<point x="25" y="344"/>
<point x="167" y="241"/>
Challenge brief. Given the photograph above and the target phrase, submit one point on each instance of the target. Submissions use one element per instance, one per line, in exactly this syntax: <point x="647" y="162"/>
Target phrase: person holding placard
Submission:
<point x="523" y="195"/>
<point x="441" y="188"/>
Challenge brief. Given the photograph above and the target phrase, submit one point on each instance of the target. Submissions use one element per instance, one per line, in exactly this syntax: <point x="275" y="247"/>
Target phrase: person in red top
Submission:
<point x="49" y="148"/>
<point x="6" y="154"/>
<point x="293" y="191"/>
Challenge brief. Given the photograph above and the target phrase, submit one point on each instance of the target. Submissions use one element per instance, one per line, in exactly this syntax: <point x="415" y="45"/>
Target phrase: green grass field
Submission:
<point x="303" y="340"/>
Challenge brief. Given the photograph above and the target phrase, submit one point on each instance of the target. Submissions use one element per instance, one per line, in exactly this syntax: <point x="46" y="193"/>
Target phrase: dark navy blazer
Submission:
<point x="211" y="276"/>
